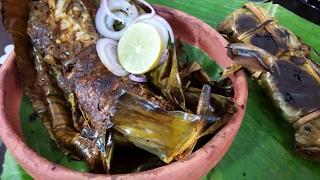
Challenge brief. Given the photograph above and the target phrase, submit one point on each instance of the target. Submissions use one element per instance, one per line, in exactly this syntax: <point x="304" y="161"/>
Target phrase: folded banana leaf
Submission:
<point x="175" y="78"/>
<point x="166" y="134"/>
<point x="15" y="19"/>
<point x="270" y="146"/>
<point x="290" y="78"/>
<point x="82" y="104"/>
<point x="166" y="77"/>
<point x="182" y="82"/>
<point x="263" y="146"/>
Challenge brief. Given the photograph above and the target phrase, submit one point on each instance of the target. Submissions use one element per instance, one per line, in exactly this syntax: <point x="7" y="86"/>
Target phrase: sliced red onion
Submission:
<point x="105" y="5"/>
<point x="153" y="12"/>
<point x="110" y="21"/>
<point x="152" y="21"/>
<point x="141" y="18"/>
<point x="147" y="15"/>
<point x="102" y="26"/>
<point x="104" y="17"/>
<point x="160" y="23"/>
<point x="164" y="56"/>
<point x="161" y="29"/>
<point x="167" y="25"/>
<point x="107" y="52"/>
<point x="127" y="14"/>
<point x="125" y="6"/>
<point x="138" y="78"/>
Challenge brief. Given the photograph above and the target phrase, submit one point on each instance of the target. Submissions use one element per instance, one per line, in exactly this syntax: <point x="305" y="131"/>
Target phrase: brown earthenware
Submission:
<point x="186" y="28"/>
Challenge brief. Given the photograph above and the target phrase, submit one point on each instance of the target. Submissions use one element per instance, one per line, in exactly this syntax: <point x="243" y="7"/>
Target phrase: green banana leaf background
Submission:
<point x="264" y="146"/>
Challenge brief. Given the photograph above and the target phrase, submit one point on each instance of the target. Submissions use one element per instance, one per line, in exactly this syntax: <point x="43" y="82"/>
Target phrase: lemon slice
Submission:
<point x="140" y="48"/>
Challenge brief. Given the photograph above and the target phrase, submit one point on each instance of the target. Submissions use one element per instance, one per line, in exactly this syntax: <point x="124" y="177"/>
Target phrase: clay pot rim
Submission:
<point x="220" y="143"/>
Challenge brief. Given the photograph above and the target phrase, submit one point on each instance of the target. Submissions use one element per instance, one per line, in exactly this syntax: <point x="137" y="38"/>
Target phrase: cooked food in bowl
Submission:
<point x="101" y="93"/>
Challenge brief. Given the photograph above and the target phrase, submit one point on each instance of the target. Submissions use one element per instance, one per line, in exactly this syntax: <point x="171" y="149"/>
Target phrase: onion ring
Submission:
<point x="164" y="57"/>
<point x="126" y="14"/>
<point x="105" y="5"/>
<point x="153" y="12"/>
<point x="107" y="52"/>
<point x="103" y="15"/>
<point x="152" y="21"/>
<point x="167" y="25"/>
<point x="160" y="23"/>
<point x="110" y="21"/>
<point x="140" y="78"/>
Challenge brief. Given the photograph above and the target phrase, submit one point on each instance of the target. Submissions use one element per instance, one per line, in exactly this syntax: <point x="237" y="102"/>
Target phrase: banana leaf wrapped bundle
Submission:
<point x="93" y="115"/>
<point x="281" y="63"/>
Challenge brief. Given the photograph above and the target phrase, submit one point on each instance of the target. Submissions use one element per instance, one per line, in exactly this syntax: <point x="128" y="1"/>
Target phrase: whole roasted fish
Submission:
<point x="87" y="109"/>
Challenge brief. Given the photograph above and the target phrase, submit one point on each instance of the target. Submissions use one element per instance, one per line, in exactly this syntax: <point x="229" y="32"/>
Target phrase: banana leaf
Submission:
<point x="12" y="169"/>
<point x="166" y="77"/>
<point x="167" y="134"/>
<point x="263" y="148"/>
<point x="178" y="78"/>
<point x="32" y="128"/>
<point x="187" y="127"/>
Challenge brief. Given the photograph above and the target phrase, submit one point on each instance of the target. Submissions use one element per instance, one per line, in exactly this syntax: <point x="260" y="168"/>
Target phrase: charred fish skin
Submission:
<point x="65" y="41"/>
<point x="66" y="45"/>
<point x="60" y="125"/>
<point x="79" y="70"/>
<point x="61" y="28"/>
<point x="290" y="79"/>
<point x="51" y="55"/>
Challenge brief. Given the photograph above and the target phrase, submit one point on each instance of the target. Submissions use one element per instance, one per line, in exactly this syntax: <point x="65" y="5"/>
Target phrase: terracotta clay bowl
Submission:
<point x="186" y="28"/>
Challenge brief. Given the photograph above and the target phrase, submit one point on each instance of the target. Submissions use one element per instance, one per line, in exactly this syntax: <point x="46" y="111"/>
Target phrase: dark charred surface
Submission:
<point x="246" y="22"/>
<point x="82" y="72"/>
<point x="42" y="33"/>
<point x="284" y="34"/>
<point x="136" y="160"/>
<point x="94" y="86"/>
<point x="85" y="116"/>
<point x="39" y="31"/>
<point x="47" y="36"/>
<point x="224" y="87"/>
<point x="91" y="7"/>
<point x="299" y="89"/>
<point x="261" y="38"/>
<point x="298" y="60"/>
<point x="266" y="42"/>
<point x="293" y="79"/>
<point x="76" y="69"/>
